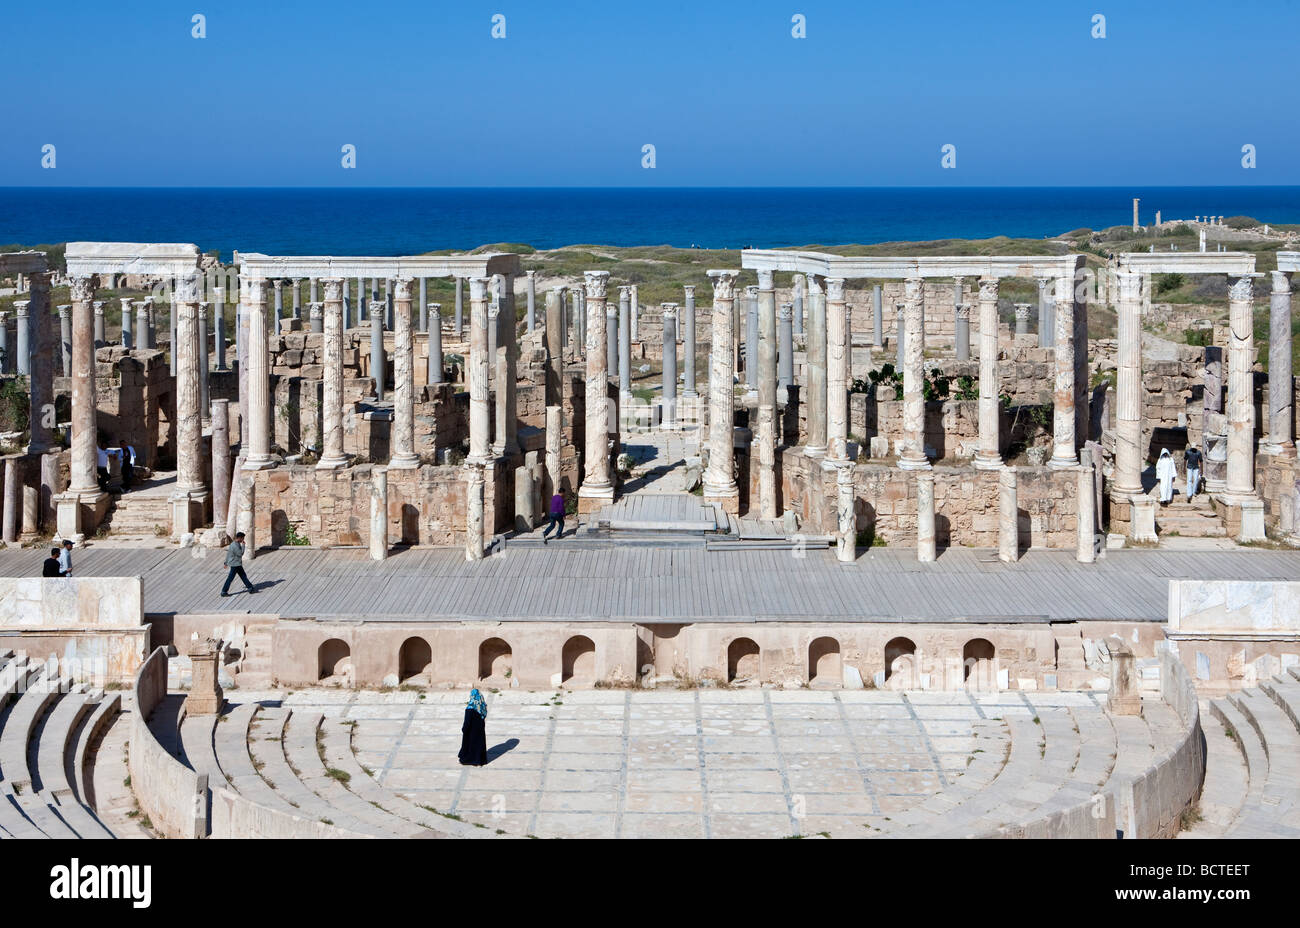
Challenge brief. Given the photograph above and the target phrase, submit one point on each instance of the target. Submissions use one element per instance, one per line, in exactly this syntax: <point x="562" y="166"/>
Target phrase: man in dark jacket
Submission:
<point x="235" y="561"/>
<point x="557" y="517"/>
<point x="51" y="566"/>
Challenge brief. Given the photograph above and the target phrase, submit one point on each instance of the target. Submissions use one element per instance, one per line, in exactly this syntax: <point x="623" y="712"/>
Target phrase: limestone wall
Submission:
<point x="71" y="602"/>
<point x="171" y="794"/>
<point x="1235" y="607"/>
<point x="135" y="402"/>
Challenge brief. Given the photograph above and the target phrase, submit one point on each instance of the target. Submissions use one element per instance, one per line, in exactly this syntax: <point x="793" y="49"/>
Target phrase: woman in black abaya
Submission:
<point x="473" y="736"/>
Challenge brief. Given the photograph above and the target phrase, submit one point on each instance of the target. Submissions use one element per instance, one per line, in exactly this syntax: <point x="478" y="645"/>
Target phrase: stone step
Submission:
<point x="1226" y="779"/>
<point x="1287" y="696"/>
<point x="1239" y="729"/>
<point x="88" y="735"/>
<point x="1279" y="805"/>
<point x="233" y="740"/>
<point x="13" y="821"/>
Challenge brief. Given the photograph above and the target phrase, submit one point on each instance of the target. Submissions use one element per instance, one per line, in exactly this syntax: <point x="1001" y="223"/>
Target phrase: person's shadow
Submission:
<point x="503" y="748"/>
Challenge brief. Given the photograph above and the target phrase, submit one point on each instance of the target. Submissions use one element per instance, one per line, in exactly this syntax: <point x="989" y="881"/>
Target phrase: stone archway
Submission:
<point x="900" y="664"/>
<point x="743" y="660"/>
<point x="333" y="659"/>
<point x="578" y="661"/>
<point x="824" y="666"/>
<point x="413" y="659"/>
<point x="495" y="660"/>
<point x="979" y="665"/>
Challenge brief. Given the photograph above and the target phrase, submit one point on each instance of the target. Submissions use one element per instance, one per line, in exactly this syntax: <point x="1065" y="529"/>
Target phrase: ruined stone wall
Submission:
<point x="135" y="399"/>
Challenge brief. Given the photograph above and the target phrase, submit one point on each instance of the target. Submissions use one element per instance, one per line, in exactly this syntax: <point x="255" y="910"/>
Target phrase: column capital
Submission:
<point x="624" y="292"/>
<point x="668" y="309"/>
<point x="187" y="288"/>
<point x="690" y="290"/>
<point x="402" y="290"/>
<point x="785" y="312"/>
<point x="959" y="279"/>
<point x="494" y="309"/>
<point x="333" y="289"/>
<point x="478" y="288"/>
<point x="83" y="288"/>
<point x="126" y="304"/>
<point x="203" y="309"/>
<point x="765" y="279"/>
<point x="1130" y="286"/>
<point x="914" y="289"/>
<point x="751" y="291"/>
<point x="1022" y="310"/>
<point x="1243" y="290"/>
<point x="989" y="288"/>
<point x="65" y="310"/>
<point x="1281" y="281"/>
<point x="434" y="307"/>
<point x="963" y="311"/>
<point x="530" y="274"/>
<point x="1042" y="283"/>
<point x="835" y="289"/>
<point x="596" y="283"/>
<point x="278" y="284"/>
<point x="99" y="307"/>
<point x="21" y="307"/>
<point x="815" y="282"/>
<point x="252" y="290"/>
<point x="724" y="284"/>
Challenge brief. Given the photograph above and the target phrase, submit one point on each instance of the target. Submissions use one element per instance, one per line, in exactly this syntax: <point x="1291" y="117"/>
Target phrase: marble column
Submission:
<point x="403" y="448"/>
<point x="508" y="382"/>
<point x="719" y="477"/>
<point x="1126" y="480"/>
<point x="1022" y="318"/>
<point x="1064" y="453"/>
<point x="389" y="286"/>
<point x="1008" y="517"/>
<point x="816" y="349"/>
<point x="65" y="338"/>
<point x="12" y="503"/>
<point x="751" y="337"/>
<point x="128" y="336"/>
<point x="6" y="359"/>
<point x="877" y="316"/>
<point x="480" y="412"/>
<point x="189" y="411"/>
<point x="785" y="346"/>
<point x="636" y="313"/>
<point x="625" y="346"/>
<point x="494" y="334"/>
<point x="474" y="468"/>
<point x="1044" y="296"/>
<point x="688" y="347"/>
<point x="202" y="336"/>
<point x="532" y="300"/>
<point x="1086" y="490"/>
<point x="797" y="300"/>
<point x="424" y="304"/>
<point x="837" y="371"/>
<point x="989" y="455"/>
<point x="277" y="287"/>
<point x="846" y="541"/>
<point x="40" y="365"/>
<point x="379" y="508"/>
<point x="925" y="534"/>
<point x="766" y="373"/>
<point x="347" y="304"/>
<point x="312" y="295"/>
<point x="1241" y="393"/>
<point x="1082" y="391"/>
<point x="597" y="488"/>
<point x="963" y="331"/>
<point x="900" y="336"/>
<point x="150" y="323"/>
<point x="435" y="375"/>
<point x="669" y="311"/>
<point x="554" y="346"/>
<point x="85" y="455"/>
<point x="23" y="333"/>
<point x="315" y="318"/>
<point x="99" y="324"/>
<point x="332" y="455"/>
<point x="1281" y="385"/>
<point x="219" y="327"/>
<point x="253" y="298"/>
<point x="245" y="508"/>
<point x="458" y="320"/>
<point x="171" y="322"/>
<point x="554" y="440"/>
<point x="220" y="413"/>
<point x="913" y="456"/>
<point x="956" y="297"/>
<point x="377" y="362"/>
<point x="611" y="337"/>
<point x="297" y="298"/>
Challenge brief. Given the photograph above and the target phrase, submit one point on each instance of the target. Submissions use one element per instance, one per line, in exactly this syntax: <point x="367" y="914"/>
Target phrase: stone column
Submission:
<point x="297" y="298"/>
<point x="12" y="500"/>
<point x="84" y="448"/>
<point x="846" y="542"/>
<point x="403" y="449"/>
<point x="6" y="359"/>
<point x="480" y="413"/>
<point x="624" y="346"/>
<point x="494" y="335"/>
<point x="1241" y="401"/>
<point x="1082" y="392"/>
<point x="23" y="332"/>
<point x="597" y="488"/>
<point x="245" y="506"/>
<point x="925" y="536"/>
<point x="611" y="338"/>
<point x="1281" y="385"/>
<point x="670" y="365"/>
<point x="99" y="324"/>
<point x="554" y="438"/>
<point x="1086" y="492"/>
<point x="474" y="469"/>
<point x="688" y="347"/>
<point x="532" y="300"/>
<point x="204" y="386"/>
<point x="1045" y="339"/>
<point x="40" y="421"/>
<point x="1022" y="318"/>
<point x="963" y="331"/>
<point x="379" y="504"/>
<point x="877" y="316"/>
<point x="837" y="371"/>
<point x="796" y="317"/>
<point x="751" y="337"/>
<point x="145" y="322"/>
<point x="312" y="296"/>
<point x="65" y="338"/>
<point x="219" y="327"/>
<point x="1064" y="452"/>
<point x="719" y="477"/>
<point x="509" y="380"/>
<point x="377" y="364"/>
<point x="785" y="346"/>
<point x="315" y="318"/>
<point x="277" y="287"/>
<point x="636" y="313"/>
<point x="900" y="336"/>
<point x="554" y="346"/>
<point x="913" y="456"/>
<point x="1008" y="517"/>
<point x="766" y="371"/>
<point x="436" y="375"/>
<point x="332" y="455"/>
<point x="816" y="349"/>
<point x="989" y="455"/>
<point x="220" y="413"/>
<point x="190" y="499"/>
<point x="1126" y="480"/>
<point x="171" y="322"/>
<point x="253" y="298"/>
<point x="128" y="335"/>
<point x="458" y="321"/>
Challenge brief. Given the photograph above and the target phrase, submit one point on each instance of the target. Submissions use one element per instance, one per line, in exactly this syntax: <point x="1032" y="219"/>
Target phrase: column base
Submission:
<point x="725" y="501"/>
<point x="1142" y="520"/>
<point x="814" y="451"/>
<point x="77" y="513"/>
<point x="914" y="464"/>
<point x="189" y="510"/>
<point x="332" y="463"/>
<point x="1250" y="515"/>
<point x="987" y="463"/>
<point x="1061" y="463"/>
<point x="593" y="499"/>
<point x="259" y="463"/>
<point x="403" y="462"/>
<point x="1277" y="449"/>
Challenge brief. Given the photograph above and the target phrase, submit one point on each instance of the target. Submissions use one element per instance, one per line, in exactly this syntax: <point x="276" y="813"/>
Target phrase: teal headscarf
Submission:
<point x="477" y="703"/>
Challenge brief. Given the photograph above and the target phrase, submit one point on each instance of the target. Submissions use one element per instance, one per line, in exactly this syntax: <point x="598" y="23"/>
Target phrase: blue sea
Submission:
<point x="397" y="221"/>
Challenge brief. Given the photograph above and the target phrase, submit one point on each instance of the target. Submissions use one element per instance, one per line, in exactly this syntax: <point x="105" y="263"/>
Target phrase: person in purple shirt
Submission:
<point x="557" y="517"/>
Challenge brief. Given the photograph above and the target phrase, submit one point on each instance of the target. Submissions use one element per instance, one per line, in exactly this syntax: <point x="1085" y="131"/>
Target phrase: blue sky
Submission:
<point x="722" y="90"/>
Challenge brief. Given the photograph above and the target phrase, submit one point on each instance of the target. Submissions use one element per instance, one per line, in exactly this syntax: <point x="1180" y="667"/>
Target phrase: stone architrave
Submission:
<point x="1008" y="516"/>
<point x="913" y="456"/>
<point x="403" y="452"/>
<point x="837" y="372"/>
<point x="963" y="331"/>
<point x="253" y="298"/>
<point x="379" y="505"/>
<point x="597" y="488"/>
<point x="480" y="412"/>
<point x="332" y="455"/>
<point x="816" y="350"/>
<point x="688" y="346"/>
<point x="719" y="476"/>
<point x="766" y="370"/>
<point x="669" y="314"/>
<point x="1281" y="388"/>
<point x="1241" y="406"/>
<point x="435" y="374"/>
<point x="925" y="530"/>
<point x="846" y="540"/>
<point x="220" y="462"/>
<point x="1126" y="481"/>
<point x="1086" y="552"/>
<point x="1063" y="396"/>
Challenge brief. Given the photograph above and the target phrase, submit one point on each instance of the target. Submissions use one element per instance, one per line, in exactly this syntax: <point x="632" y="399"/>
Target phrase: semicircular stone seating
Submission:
<point x="1252" y="768"/>
<point x="47" y="727"/>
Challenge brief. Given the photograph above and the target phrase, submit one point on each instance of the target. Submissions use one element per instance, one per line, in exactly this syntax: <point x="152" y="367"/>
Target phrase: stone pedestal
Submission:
<point x="1008" y="516"/>
<point x="1252" y="520"/>
<point x="1123" y="698"/>
<point x="1142" y="519"/>
<point x="925" y="535"/>
<point x="205" y="696"/>
<point x="378" y="514"/>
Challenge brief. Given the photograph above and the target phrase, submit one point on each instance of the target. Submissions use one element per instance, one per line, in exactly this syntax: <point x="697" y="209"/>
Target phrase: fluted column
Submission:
<point x="253" y="297"/>
<point x="332" y="455"/>
<point x="688" y="347"/>
<point x="596" y="484"/>
<point x="1127" y="476"/>
<point x="719" y="477"/>
<point x="1241" y="402"/>
<point x="403" y="451"/>
<point x="189" y="411"/>
<point x="1062" y="316"/>
<point x="1281" y="385"/>
<point x="435" y="344"/>
<point x="816" y="399"/>
<point x="480" y="412"/>
<point x="765" y="356"/>
<point x="913" y="456"/>
<point x="84" y="450"/>
<point x="989" y="455"/>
